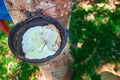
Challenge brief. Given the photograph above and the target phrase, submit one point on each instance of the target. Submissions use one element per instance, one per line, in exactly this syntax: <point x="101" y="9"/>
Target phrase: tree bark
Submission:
<point x="58" y="68"/>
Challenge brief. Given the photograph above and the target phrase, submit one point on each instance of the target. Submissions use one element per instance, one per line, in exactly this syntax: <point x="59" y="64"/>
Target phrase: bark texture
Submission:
<point x="59" y="9"/>
<point x="58" y="68"/>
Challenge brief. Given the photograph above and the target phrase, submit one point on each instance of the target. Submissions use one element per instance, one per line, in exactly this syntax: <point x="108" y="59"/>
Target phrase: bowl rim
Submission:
<point x="43" y="60"/>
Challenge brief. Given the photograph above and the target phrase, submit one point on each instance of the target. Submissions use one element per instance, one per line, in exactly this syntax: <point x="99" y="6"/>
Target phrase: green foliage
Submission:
<point x="99" y="36"/>
<point x="10" y="67"/>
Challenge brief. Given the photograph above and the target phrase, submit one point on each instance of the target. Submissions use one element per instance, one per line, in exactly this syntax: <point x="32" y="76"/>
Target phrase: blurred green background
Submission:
<point x="94" y="41"/>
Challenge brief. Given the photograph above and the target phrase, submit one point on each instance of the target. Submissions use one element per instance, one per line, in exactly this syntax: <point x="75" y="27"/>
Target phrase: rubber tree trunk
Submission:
<point x="58" y="68"/>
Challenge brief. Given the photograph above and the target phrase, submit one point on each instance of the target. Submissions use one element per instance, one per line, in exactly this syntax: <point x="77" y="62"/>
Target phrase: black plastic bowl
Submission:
<point x="16" y="34"/>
